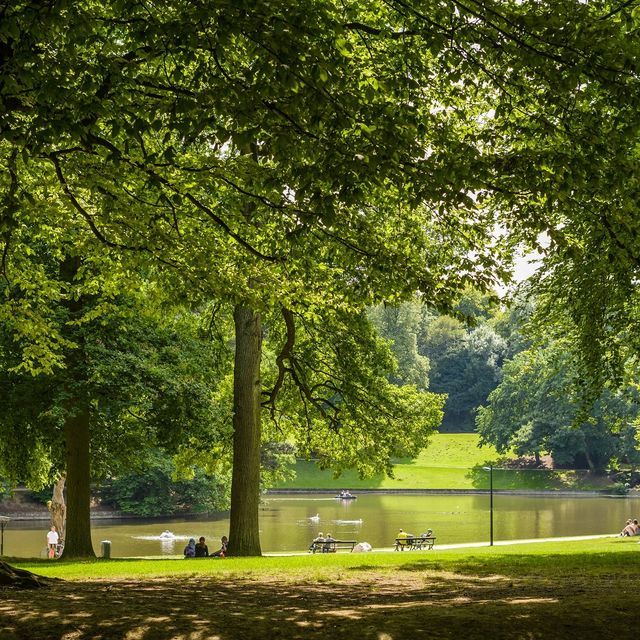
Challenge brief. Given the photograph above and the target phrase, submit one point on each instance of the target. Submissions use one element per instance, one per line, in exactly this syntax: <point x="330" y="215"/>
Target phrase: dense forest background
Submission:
<point x="500" y="374"/>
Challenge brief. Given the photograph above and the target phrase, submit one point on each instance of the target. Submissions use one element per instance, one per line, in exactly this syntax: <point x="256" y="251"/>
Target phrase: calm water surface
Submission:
<point x="288" y="522"/>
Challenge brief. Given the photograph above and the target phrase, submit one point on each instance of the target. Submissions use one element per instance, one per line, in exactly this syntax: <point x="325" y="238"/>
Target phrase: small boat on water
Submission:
<point x="345" y="495"/>
<point x="167" y="535"/>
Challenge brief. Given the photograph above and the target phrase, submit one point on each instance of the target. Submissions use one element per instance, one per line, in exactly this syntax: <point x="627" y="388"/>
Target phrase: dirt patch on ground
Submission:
<point x="404" y="604"/>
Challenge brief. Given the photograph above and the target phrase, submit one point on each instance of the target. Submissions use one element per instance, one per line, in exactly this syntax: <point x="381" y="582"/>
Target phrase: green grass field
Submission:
<point x="595" y="553"/>
<point x="452" y="461"/>
<point x="547" y="557"/>
<point x="560" y="590"/>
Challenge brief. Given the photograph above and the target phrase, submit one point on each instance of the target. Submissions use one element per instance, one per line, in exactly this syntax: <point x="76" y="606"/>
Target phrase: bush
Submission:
<point x="155" y="491"/>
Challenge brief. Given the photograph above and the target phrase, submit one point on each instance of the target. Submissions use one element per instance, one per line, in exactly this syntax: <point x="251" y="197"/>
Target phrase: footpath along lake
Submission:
<point x="288" y="522"/>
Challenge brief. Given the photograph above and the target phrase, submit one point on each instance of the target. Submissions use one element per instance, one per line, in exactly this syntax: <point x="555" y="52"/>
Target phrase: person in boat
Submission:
<point x="202" y="551"/>
<point x="167" y="534"/>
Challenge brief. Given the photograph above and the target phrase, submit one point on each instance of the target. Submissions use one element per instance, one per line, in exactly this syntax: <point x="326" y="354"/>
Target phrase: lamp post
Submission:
<point x="490" y="470"/>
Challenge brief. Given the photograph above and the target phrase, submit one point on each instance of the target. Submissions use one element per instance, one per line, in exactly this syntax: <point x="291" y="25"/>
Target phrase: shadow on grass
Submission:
<point x="413" y="601"/>
<point x="515" y="566"/>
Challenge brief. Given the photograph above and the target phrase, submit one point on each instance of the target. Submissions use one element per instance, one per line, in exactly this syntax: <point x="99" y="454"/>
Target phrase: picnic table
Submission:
<point x="414" y="542"/>
<point x="331" y="546"/>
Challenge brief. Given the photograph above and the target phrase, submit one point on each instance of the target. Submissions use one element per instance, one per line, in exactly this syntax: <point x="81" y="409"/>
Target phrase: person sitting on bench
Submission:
<point x="317" y="541"/>
<point x="402" y="537"/>
<point x="328" y="547"/>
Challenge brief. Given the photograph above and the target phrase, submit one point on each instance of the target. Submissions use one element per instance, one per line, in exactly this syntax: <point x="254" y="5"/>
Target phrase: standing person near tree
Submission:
<point x="52" y="541"/>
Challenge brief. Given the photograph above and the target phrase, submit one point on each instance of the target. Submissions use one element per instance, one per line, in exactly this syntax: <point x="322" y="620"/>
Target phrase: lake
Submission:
<point x="289" y="522"/>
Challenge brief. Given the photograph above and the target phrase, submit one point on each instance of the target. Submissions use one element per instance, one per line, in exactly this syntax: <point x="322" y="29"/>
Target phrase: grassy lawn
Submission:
<point x="553" y="590"/>
<point x="452" y="461"/>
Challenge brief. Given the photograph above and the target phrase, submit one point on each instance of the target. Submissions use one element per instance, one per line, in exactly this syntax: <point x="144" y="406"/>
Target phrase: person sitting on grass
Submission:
<point x="222" y="551"/>
<point x="631" y="529"/>
<point x="190" y="549"/>
<point x="202" y="551"/>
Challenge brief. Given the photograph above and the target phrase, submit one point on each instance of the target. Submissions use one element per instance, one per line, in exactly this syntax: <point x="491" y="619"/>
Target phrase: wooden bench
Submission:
<point x="414" y="542"/>
<point x="331" y="546"/>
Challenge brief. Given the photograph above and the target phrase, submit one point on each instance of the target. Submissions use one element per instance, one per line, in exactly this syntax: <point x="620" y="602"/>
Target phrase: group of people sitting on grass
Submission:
<point x="200" y="549"/>
<point x="632" y="528"/>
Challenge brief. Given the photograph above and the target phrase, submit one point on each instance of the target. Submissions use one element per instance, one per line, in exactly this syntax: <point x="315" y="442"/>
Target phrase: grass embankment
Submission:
<point x="585" y="589"/>
<point x="452" y="461"/>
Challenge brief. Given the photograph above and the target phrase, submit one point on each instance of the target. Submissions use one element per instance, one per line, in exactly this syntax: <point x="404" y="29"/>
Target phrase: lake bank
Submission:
<point x="459" y="492"/>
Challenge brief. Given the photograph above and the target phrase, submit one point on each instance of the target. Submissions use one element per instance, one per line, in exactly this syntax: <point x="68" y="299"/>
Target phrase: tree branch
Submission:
<point x="83" y="212"/>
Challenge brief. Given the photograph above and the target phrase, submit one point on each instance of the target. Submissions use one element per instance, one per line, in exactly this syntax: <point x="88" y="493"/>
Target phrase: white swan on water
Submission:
<point x="315" y="518"/>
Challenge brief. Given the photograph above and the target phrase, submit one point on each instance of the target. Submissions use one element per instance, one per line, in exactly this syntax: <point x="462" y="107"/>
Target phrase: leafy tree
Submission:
<point x="327" y="155"/>
<point x="156" y="488"/>
<point x="476" y="306"/>
<point x="337" y="402"/>
<point x="465" y="365"/>
<point x="538" y="408"/>
<point x="143" y="382"/>
<point x="197" y="133"/>
<point x="514" y="325"/>
<point x="401" y="325"/>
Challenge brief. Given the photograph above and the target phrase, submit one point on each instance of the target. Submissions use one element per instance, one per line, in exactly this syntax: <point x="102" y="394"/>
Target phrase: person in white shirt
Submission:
<point x="52" y="541"/>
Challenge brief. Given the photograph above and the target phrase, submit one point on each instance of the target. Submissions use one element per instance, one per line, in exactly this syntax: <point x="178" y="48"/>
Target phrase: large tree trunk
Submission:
<point x="77" y="542"/>
<point x="244" y="537"/>
<point x="57" y="507"/>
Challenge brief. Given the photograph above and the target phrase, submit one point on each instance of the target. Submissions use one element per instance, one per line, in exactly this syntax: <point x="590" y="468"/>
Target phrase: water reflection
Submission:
<point x="290" y="522"/>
